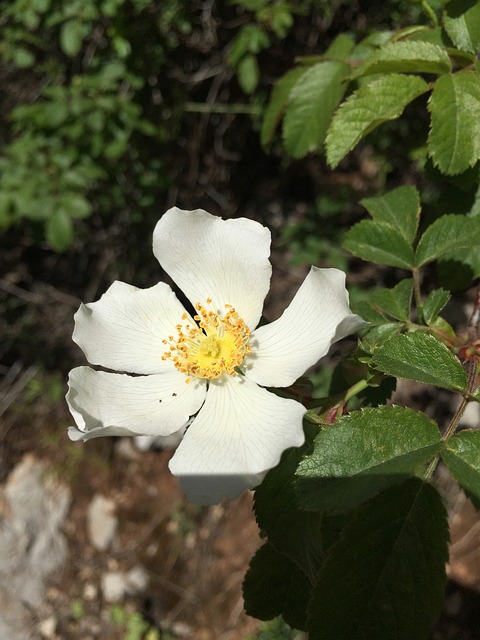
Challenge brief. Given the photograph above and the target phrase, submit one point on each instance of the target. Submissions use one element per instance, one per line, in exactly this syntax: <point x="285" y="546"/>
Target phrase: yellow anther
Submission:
<point x="217" y="344"/>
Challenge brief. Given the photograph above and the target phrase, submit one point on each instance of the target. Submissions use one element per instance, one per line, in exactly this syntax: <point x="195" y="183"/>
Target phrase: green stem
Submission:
<point x="355" y="389"/>
<point x="430" y="12"/>
<point x="452" y="427"/>
<point x="200" y="107"/>
<point x="416" y="287"/>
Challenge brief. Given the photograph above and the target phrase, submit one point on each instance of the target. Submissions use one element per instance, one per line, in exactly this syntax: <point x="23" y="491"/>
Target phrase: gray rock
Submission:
<point x="33" y="508"/>
<point x="101" y="521"/>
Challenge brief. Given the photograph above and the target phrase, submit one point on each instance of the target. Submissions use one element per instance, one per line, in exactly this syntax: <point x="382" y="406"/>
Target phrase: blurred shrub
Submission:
<point x="70" y="148"/>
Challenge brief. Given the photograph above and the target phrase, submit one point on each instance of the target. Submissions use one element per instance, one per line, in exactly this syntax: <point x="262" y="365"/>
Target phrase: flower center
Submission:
<point x="216" y="344"/>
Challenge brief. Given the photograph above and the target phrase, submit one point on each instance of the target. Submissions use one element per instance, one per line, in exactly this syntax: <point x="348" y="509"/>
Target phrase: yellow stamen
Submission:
<point x="217" y="344"/>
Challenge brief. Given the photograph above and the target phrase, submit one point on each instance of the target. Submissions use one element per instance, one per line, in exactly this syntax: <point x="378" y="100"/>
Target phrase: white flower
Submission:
<point x="215" y="364"/>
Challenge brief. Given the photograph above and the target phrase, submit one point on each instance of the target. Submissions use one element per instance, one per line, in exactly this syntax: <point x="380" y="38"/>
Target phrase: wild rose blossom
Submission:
<point x="167" y="364"/>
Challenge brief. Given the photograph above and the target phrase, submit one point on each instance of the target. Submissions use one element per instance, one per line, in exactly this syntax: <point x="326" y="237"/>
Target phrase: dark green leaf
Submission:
<point x="379" y="242"/>
<point x="400" y="208"/>
<point x="394" y="302"/>
<point x="407" y="56"/>
<point x="275" y="586"/>
<point x="363" y="453"/>
<point x="371" y="105"/>
<point x="446" y="235"/>
<point x="290" y="530"/>
<point x="421" y="357"/>
<point x="434" y="303"/>
<point x="454" y="138"/>
<point x="385" y="577"/>
<point x="278" y="102"/>
<point x="462" y="23"/>
<point x="310" y="106"/>
<point x="462" y="457"/>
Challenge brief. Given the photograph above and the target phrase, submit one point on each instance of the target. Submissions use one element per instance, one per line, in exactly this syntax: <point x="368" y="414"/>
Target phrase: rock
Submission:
<point x="33" y="508"/>
<point x="101" y="522"/>
<point x="47" y="627"/>
<point x="117" y="584"/>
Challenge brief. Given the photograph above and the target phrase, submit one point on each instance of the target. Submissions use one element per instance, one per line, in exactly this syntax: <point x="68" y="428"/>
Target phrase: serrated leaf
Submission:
<point x="405" y="57"/>
<point x="462" y="457"/>
<point x="380" y="243"/>
<point x="384" y="578"/>
<point x="400" y="208"/>
<point x="378" y="335"/>
<point x="367" y="108"/>
<point x="447" y="235"/>
<point x="278" y="102"/>
<point x="275" y="586"/>
<point x="454" y="138"/>
<point x="394" y="302"/>
<point x="363" y="453"/>
<point x="290" y="530"/>
<point x="421" y="357"/>
<point x="434" y="303"/>
<point x="461" y="20"/>
<point x="311" y="103"/>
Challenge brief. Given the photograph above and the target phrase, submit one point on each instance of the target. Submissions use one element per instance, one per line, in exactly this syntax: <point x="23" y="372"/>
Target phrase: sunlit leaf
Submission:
<point x="461" y="20"/>
<point x="421" y="357"/>
<point x="363" y="453"/>
<point x="310" y="106"/>
<point x="400" y="208"/>
<point x="462" y="457"/>
<point x="380" y="243"/>
<point x="446" y="235"/>
<point x="407" y="56"/>
<point x="454" y="138"/>
<point x="367" y="108"/>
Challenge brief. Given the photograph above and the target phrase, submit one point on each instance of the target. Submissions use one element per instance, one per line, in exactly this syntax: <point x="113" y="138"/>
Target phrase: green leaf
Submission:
<point x="248" y="73"/>
<point x="395" y="302"/>
<point x="447" y="235"/>
<point x="461" y="20"/>
<point x="421" y="357"/>
<point x="434" y="303"/>
<point x="400" y="208"/>
<point x="311" y="104"/>
<point x="380" y="243"/>
<point x="454" y="138"/>
<point x="290" y="530"/>
<point x="278" y="102"/>
<point x="72" y="34"/>
<point x="59" y="231"/>
<point x="405" y="57"/>
<point x="363" y="453"/>
<point x="371" y="105"/>
<point x="378" y="335"/>
<point x="462" y="457"/>
<point x="384" y="578"/>
<point x="75" y="206"/>
<point x="275" y="586"/>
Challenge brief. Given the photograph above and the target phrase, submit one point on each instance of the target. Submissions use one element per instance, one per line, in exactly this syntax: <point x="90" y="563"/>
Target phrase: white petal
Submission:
<point x="207" y="257"/>
<point x="317" y="317"/>
<point x="104" y="404"/>
<point x="239" y="433"/>
<point x="125" y="328"/>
